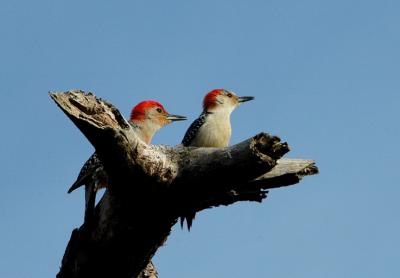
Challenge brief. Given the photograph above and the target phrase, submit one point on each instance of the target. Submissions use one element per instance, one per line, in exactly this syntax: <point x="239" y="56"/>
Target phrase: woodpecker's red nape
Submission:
<point x="210" y="98"/>
<point x="138" y="112"/>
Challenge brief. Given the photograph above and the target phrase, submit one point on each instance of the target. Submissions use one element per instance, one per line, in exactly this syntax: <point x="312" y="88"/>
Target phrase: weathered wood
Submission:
<point x="151" y="186"/>
<point x="149" y="272"/>
<point x="286" y="172"/>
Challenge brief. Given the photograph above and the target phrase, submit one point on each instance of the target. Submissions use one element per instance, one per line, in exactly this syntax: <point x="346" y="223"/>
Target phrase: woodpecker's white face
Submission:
<point x="156" y="116"/>
<point x="226" y="100"/>
<point x="223" y="100"/>
<point x="149" y="116"/>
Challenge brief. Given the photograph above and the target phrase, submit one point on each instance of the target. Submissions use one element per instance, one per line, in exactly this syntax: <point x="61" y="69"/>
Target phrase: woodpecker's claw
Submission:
<point x="175" y="117"/>
<point x="244" y="99"/>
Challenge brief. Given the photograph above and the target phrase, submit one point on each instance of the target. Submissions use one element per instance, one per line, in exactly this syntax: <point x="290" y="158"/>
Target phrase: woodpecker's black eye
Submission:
<point x="159" y="110"/>
<point x="229" y="95"/>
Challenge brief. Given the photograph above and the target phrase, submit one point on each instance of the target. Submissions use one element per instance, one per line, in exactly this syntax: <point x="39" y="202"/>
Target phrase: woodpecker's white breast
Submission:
<point x="215" y="132"/>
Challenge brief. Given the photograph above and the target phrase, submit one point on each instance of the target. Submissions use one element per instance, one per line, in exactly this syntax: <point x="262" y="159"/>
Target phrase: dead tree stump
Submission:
<point x="150" y="186"/>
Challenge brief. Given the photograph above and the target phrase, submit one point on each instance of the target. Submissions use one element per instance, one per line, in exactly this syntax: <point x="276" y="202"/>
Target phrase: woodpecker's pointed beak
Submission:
<point x="175" y="118"/>
<point x="244" y="99"/>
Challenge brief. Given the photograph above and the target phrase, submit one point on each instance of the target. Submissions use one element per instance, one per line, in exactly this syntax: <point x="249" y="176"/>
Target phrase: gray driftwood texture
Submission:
<point x="151" y="186"/>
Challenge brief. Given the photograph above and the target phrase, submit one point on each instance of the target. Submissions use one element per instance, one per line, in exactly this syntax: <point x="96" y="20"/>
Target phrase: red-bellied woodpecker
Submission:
<point x="146" y="119"/>
<point x="212" y="128"/>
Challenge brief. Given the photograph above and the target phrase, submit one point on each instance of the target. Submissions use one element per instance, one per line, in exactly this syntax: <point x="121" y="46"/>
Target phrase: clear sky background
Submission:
<point x="326" y="79"/>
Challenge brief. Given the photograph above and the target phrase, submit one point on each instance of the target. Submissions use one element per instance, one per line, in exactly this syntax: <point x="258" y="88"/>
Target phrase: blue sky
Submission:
<point x="325" y="75"/>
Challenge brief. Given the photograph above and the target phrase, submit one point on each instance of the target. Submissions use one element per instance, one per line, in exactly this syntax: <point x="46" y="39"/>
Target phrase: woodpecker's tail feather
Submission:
<point x="189" y="217"/>
<point x="78" y="183"/>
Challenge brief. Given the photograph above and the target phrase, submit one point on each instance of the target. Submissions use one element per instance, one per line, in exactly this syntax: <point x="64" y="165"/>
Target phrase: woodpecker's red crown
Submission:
<point x="210" y="100"/>
<point x="138" y="112"/>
